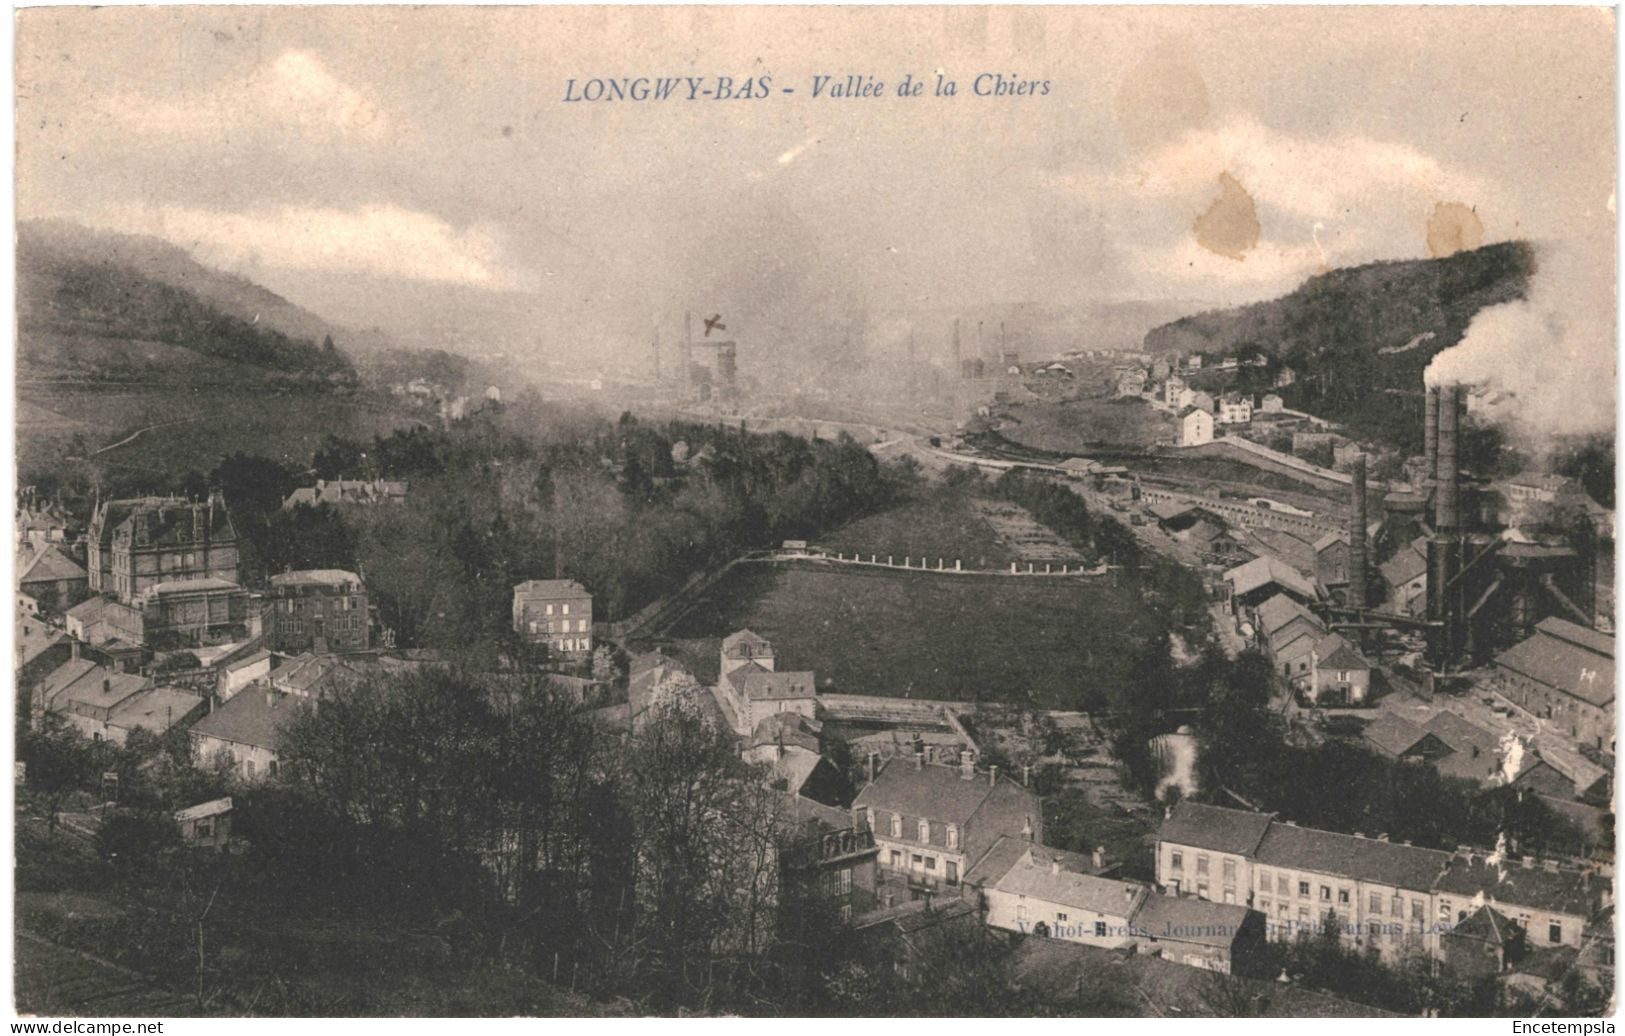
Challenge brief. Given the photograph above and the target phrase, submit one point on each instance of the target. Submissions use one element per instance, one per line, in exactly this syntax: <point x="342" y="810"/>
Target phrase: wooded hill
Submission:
<point x="1359" y="338"/>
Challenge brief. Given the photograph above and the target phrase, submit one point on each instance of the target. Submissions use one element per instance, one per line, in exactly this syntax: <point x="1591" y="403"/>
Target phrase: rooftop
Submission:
<point x="1564" y="891"/>
<point x="1223" y="830"/>
<point x="554" y="588"/>
<point x="49" y="565"/>
<point x="1190" y="919"/>
<point x="337" y="577"/>
<point x="761" y="685"/>
<point x="212" y="808"/>
<point x="1262" y="571"/>
<point x="155" y="709"/>
<point x="1351" y="856"/>
<point x="935" y="791"/>
<point x="1567" y="657"/>
<point x="1393" y="733"/>
<point x="250" y="718"/>
<point x="1045" y="874"/>
<point x="1280" y="610"/>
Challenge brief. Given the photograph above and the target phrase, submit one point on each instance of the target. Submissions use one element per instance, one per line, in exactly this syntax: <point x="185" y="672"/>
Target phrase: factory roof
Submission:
<point x="1393" y="733"/>
<point x="1223" y="830"/>
<point x="1262" y="571"/>
<point x="1334" y="652"/>
<point x="1280" y="610"/>
<point x="1403" y="567"/>
<point x="1566" y="657"/>
<point x="1351" y="856"/>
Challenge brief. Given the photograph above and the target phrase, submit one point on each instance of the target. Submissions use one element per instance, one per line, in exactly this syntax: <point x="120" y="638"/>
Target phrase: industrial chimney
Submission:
<point x="1358" y="595"/>
<point x="1430" y="433"/>
<point x="1445" y="517"/>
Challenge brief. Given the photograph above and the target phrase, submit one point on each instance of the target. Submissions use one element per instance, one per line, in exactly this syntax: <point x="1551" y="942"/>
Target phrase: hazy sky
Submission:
<point x="402" y="162"/>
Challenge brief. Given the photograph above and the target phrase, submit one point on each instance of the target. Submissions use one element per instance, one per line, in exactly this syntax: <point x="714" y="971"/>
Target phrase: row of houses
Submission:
<point x="1395" y="898"/>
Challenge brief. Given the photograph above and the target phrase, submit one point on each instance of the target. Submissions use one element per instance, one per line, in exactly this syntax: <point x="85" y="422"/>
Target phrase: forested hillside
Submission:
<point x="1358" y="339"/>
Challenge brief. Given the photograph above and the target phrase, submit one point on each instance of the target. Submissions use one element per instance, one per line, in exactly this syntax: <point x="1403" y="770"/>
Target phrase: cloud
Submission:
<point x="294" y="93"/>
<point x="380" y="240"/>
<point x="1321" y="202"/>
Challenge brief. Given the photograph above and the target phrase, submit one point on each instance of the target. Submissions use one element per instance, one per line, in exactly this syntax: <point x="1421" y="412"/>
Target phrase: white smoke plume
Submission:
<point x="1548" y="362"/>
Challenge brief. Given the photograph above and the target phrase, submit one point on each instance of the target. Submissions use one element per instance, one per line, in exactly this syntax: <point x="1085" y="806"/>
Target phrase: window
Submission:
<point x="1303" y="915"/>
<point x="925" y="830"/>
<point x="917" y="860"/>
<point x="1230" y="872"/>
<point x="1342" y="897"/>
<point x="1303" y="890"/>
<point x="564" y="609"/>
<point x="1100" y="929"/>
<point x="1325" y="893"/>
<point x="1397" y="907"/>
<point x="896" y="860"/>
<point x="248" y="767"/>
<point x="1021" y="911"/>
<point x="550" y="609"/>
<point x="1554" y="931"/>
<point x="896" y="826"/>
<point x="1376" y="903"/>
<point x="1201" y="889"/>
<point x="953" y="837"/>
<point x="1283" y="886"/>
<point x="953" y="872"/>
<point x="1060" y="918"/>
<point x="1416" y="911"/>
<point x="1264" y="907"/>
<point x="1229" y="895"/>
<point x="930" y="863"/>
<point x="1176" y="861"/>
<point x="581" y="625"/>
<point x="1201" y="864"/>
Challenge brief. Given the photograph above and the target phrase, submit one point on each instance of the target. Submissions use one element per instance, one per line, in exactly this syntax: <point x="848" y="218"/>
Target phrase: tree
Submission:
<point x="131" y="838"/>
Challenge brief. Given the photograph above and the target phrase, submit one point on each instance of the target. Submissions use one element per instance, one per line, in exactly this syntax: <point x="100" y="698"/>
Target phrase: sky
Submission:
<point x="421" y="168"/>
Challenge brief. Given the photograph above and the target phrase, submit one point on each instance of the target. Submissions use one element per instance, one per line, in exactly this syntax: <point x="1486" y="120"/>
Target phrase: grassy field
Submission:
<point x="1050" y="643"/>
<point x="1073" y="426"/>
<point x="183" y="428"/>
<point x="943" y="523"/>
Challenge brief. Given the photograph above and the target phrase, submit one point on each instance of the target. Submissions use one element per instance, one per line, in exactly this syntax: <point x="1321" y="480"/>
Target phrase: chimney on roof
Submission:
<point x="1098" y="857"/>
<point x="930" y="753"/>
<point x="993" y="776"/>
<point x="1026" y="774"/>
<point x="1027" y="827"/>
<point x="919" y="760"/>
<point x="872" y="757"/>
<point x="1055" y="866"/>
<point x="107" y="685"/>
<point x="1128" y="893"/>
<point x="967" y="766"/>
<point x="270" y="698"/>
<point x="75" y="648"/>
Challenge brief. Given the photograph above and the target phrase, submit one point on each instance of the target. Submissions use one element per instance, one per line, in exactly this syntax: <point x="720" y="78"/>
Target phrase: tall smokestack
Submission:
<point x="959" y="370"/>
<point x="1430" y="433"/>
<point x="1358" y="596"/>
<point x="688" y="351"/>
<point x="1449" y="475"/>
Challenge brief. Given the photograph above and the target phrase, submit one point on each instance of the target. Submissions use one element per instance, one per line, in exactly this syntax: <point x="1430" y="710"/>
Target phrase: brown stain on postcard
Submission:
<point x="1230" y="226"/>
<point x="1453" y="228"/>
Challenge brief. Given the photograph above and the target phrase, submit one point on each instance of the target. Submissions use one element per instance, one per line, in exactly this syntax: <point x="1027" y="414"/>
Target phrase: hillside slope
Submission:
<point x="1359" y="338"/>
<point x="100" y="307"/>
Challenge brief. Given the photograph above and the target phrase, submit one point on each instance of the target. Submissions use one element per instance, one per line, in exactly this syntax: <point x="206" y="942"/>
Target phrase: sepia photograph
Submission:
<point x="813" y="511"/>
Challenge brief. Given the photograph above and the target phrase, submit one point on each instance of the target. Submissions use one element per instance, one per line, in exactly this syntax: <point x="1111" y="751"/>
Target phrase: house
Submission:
<point x="333" y="492"/>
<point x="654" y="678"/>
<point x="1195" y="426"/>
<point x="1555" y="770"/>
<point x="196" y="612"/>
<point x="39" y="523"/>
<point x="1049" y="892"/>
<point x="751" y="692"/>
<point x="933" y="821"/>
<point x="1263" y="577"/>
<point x="1376" y="892"/>
<point x="1235" y="408"/>
<point x="555" y="613"/>
<point x="232" y="676"/>
<point x="1271" y="403"/>
<point x="106" y="705"/>
<point x="825" y="850"/>
<point x="1487" y="943"/>
<point x="1220" y="937"/>
<point x="317" y="610"/>
<point x="1174" y="392"/>
<point x="1203" y="851"/>
<point x="1564" y="674"/>
<point x="1342" y="676"/>
<point x="1549" y="900"/>
<point x="1279" y="621"/>
<point x="245" y="734"/>
<point x="206" y="825"/>
<point x="52" y="578"/>
<point x="1193" y="362"/>
<point x="314" y="676"/>
<point x="1131" y="382"/>
<point x="138" y="544"/>
<point x="788" y="744"/>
